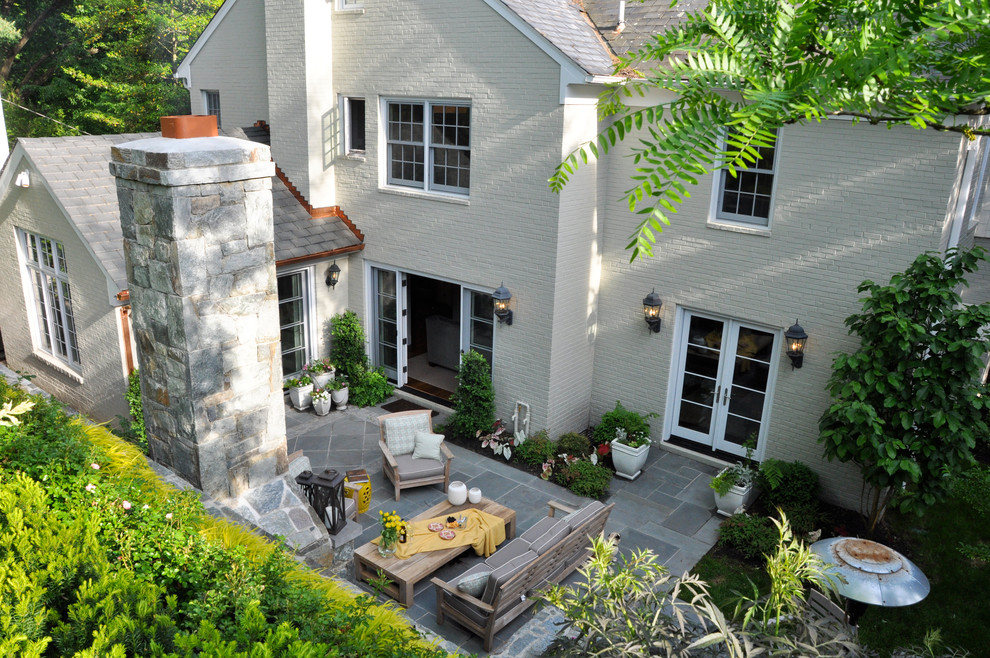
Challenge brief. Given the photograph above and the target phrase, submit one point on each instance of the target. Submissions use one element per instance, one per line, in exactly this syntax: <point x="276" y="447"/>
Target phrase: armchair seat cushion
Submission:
<point x="415" y="469"/>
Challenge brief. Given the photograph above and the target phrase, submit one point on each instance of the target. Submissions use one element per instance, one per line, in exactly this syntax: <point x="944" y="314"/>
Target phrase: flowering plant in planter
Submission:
<point x="321" y="395"/>
<point x="319" y="366"/>
<point x="632" y="439"/>
<point x="298" y="382"/>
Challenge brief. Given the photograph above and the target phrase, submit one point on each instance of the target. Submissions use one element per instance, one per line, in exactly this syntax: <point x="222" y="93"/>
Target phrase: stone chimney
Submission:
<point x="199" y="245"/>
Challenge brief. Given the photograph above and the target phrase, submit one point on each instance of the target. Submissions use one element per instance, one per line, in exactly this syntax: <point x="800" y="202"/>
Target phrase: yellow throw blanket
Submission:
<point x="482" y="531"/>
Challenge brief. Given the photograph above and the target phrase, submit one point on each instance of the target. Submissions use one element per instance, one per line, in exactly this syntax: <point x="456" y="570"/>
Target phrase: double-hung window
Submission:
<point x="429" y="145"/>
<point x="746" y="197"/>
<point x="211" y="99"/>
<point x="48" y="276"/>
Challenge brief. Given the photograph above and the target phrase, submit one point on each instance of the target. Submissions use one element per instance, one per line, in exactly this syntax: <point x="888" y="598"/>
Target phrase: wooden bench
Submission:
<point x="503" y="602"/>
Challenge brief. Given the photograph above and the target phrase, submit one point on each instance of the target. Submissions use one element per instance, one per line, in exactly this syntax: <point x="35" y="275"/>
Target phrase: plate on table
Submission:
<point x="447" y="534"/>
<point x="435" y="526"/>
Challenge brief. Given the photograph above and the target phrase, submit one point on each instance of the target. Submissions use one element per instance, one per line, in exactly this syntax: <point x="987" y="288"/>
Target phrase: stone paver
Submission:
<point x="669" y="509"/>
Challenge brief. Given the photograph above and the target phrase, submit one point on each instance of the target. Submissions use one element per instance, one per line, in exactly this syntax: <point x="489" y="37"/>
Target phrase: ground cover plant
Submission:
<point x="102" y="559"/>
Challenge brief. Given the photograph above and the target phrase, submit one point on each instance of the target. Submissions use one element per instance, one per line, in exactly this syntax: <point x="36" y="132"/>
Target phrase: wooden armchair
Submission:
<point x="399" y="430"/>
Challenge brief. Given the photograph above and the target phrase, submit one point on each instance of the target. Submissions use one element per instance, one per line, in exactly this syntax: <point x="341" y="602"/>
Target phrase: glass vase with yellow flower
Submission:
<point x="392" y="527"/>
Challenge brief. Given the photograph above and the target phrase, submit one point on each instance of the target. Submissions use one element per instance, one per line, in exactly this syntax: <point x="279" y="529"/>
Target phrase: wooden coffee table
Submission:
<point x="404" y="574"/>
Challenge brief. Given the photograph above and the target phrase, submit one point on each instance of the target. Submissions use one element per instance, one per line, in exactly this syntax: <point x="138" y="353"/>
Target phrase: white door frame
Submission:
<point x="309" y="307"/>
<point x="715" y="439"/>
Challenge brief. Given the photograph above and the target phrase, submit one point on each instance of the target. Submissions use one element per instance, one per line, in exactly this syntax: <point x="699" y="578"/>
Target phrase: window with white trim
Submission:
<point x="293" y="320"/>
<point x="211" y="100"/>
<point x="429" y="145"/>
<point x="353" y="125"/>
<point x="349" y="4"/>
<point x="48" y="276"/>
<point x="746" y="197"/>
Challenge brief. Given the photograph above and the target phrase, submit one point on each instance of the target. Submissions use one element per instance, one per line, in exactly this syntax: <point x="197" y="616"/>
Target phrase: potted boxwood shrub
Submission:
<point x="339" y="392"/>
<point x="734" y="487"/>
<point x="300" y="392"/>
<point x="629" y="453"/>
<point x="321" y="401"/>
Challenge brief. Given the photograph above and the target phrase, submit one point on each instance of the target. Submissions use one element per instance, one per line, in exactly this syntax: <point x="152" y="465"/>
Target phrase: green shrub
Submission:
<point x="132" y="428"/>
<point x="368" y="387"/>
<point x="973" y="488"/>
<point x="474" y="399"/>
<point x="575" y="444"/>
<point x="585" y="479"/>
<point x="347" y="341"/>
<point x="787" y="484"/>
<point x="621" y="418"/>
<point x="536" y="450"/>
<point x="750" y="536"/>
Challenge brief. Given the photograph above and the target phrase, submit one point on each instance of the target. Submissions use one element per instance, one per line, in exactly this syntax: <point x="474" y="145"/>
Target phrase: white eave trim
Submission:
<point x="570" y="71"/>
<point x="183" y="72"/>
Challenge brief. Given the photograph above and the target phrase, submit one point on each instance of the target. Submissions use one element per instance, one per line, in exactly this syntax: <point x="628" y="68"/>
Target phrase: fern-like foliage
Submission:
<point x="742" y="69"/>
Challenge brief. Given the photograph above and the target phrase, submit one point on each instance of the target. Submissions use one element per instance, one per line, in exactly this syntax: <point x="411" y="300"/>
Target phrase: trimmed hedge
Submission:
<point x="103" y="559"/>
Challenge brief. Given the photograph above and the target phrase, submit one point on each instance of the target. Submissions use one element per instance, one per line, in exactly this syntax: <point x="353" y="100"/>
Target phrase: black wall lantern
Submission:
<point x="333" y="275"/>
<point x="652" y="311"/>
<point x="796" y="337"/>
<point x="501" y="297"/>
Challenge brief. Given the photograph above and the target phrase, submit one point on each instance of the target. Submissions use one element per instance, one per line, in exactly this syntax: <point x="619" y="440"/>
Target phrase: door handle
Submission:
<point x="725" y="397"/>
<point x="718" y="391"/>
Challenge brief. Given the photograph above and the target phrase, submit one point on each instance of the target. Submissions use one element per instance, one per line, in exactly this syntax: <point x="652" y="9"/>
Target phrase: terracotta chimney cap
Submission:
<point x="189" y="125"/>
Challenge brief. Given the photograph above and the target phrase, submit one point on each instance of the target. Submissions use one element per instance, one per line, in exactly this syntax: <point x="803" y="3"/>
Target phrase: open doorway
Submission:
<point x="434" y="348"/>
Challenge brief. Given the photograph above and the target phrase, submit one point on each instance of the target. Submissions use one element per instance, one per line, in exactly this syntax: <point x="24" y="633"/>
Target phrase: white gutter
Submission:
<point x="965" y="185"/>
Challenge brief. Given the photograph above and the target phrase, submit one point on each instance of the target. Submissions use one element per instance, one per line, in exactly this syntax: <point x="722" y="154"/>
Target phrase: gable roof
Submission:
<point x="643" y="20"/>
<point x="76" y="171"/>
<point x="566" y="26"/>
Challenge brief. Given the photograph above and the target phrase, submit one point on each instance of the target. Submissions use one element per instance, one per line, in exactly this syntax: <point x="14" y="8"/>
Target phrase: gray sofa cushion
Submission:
<point x="400" y="433"/>
<point x="512" y="550"/>
<point x="538" y="528"/>
<point x="580" y="516"/>
<point x="550" y="537"/>
<point x="414" y="469"/>
<point x="504" y="573"/>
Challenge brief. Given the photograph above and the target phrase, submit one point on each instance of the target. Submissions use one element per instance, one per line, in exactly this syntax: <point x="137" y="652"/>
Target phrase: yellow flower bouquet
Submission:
<point x="392" y="526"/>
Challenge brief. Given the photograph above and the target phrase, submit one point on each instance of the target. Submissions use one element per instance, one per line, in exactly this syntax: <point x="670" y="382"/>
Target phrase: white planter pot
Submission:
<point x="322" y="407"/>
<point x="321" y="380"/>
<point x="340" y="398"/>
<point x="628" y="461"/>
<point x="738" y="497"/>
<point x="301" y="396"/>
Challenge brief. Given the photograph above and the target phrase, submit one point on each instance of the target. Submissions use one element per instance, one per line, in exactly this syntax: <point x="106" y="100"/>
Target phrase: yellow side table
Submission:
<point x="360" y="478"/>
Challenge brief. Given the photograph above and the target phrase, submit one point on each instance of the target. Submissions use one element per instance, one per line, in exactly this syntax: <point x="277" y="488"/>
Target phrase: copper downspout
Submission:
<point x="125" y="325"/>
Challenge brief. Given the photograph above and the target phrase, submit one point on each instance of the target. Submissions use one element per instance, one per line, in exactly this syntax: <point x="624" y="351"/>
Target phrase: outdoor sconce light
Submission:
<point x="333" y="275"/>
<point x="796" y="338"/>
<point x="23" y="179"/>
<point x="501" y="297"/>
<point x="652" y="309"/>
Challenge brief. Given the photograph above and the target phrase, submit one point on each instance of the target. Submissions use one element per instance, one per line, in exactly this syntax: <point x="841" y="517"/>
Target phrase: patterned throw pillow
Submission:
<point x="400" y="433"/>
<point x="427" y="446"/>
<point x="474" y="584"/>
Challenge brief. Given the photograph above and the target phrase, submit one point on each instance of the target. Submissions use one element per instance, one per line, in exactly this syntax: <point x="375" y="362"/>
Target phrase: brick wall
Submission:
<point x="852" y="202"/>
<point x="102" y="372"/>
<point x="508" y="228"/>
<point x="233" y="62"/>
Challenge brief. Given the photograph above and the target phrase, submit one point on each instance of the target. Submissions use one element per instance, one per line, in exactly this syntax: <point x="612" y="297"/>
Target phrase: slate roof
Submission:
<point x="643" y="20"/>
<point x="76" y="169"/>
<point x="565" y="25"/>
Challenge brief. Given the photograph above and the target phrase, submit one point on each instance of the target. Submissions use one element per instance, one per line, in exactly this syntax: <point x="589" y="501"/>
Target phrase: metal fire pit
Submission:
<point x="325" y="492"/>
<point x="872" y="573"/>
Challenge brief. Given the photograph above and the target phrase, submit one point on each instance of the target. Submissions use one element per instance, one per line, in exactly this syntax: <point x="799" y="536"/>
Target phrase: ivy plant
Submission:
<point x="908" y="405"/>
<point x="474" y="399"/>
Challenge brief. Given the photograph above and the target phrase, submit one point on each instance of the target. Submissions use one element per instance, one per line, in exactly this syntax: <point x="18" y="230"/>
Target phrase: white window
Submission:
<point x="429" y="145"/>
<point x="293" y="319"/>
<point x="48" y="277"/>
<point x="350" y="4"/>
<point x="211" y="100"/>
<point x="747" y="197"/>
<point x="353" y="125"/>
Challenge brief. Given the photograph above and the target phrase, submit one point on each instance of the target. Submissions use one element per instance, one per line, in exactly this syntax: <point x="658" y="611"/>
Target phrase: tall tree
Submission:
<point x="99" y="66"/>
<point x="907" y="406"/>
<point x="754" y="66"/>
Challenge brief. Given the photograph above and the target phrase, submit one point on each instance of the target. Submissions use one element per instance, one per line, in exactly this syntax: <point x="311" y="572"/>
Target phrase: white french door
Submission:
<point x="724" y="381"/>
<point x="390" y="328"/>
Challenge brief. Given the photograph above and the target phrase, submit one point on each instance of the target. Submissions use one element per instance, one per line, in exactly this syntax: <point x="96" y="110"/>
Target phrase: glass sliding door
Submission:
<point x="724" y="375"/>
<point x="478" y="323"/>
<point x="389" y="329"/>
<point x="293" y="320"/>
